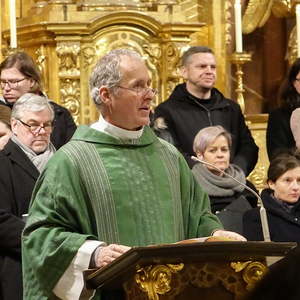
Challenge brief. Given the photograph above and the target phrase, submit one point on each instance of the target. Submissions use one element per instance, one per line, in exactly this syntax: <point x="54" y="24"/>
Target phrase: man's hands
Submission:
<point x="230" y="235"/>
<point x="105" y="255"/>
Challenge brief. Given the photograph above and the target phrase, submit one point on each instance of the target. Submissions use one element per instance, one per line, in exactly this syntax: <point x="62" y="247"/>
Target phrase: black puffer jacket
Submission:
<point x="184" y="116"/>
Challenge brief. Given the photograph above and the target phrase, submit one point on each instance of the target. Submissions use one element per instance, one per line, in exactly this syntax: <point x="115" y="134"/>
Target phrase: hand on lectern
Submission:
<point x="105" y="255"/>
<point x="229" y="235"/>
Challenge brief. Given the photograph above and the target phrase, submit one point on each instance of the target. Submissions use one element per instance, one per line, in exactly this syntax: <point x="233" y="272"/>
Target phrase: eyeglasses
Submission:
<point x="140" y="91"/>
<point x="35" y="129"/>
<point x="13" y="83"/>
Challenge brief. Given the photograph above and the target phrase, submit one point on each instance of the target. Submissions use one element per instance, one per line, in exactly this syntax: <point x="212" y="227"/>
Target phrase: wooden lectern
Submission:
<point x="209" y="270"/>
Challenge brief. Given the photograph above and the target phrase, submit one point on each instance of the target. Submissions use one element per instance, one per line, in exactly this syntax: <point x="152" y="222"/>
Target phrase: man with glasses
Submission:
<point x="113" y="186"/>
<point x="21" y="161"/>
<point x="20" y="75"/>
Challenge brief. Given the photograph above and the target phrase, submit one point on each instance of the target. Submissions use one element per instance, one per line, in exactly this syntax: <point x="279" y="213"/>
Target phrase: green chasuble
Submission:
<point x="132" y="192"/>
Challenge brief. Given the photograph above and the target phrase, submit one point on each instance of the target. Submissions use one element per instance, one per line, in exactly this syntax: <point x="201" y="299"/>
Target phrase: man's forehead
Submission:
<point x="202" y="57"/>
<point x="35" y="115"/>
<point x="134" y="69"/>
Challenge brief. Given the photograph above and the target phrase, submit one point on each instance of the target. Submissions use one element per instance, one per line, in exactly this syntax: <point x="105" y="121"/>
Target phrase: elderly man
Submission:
<point x="196" y="104"/>
<point x="115" y="185"/>
<point x="21" y="161"/>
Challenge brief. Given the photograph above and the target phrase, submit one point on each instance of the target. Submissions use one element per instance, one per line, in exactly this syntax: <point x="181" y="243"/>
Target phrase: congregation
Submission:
<point x="94" y="191"/>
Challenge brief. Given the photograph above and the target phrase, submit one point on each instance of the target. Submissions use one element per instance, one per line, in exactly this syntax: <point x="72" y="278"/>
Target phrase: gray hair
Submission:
<point x="193" y="50"/>
<point x="30" y="103"/>
<point x="107" y="72"/>
<point x="207" y="135"/>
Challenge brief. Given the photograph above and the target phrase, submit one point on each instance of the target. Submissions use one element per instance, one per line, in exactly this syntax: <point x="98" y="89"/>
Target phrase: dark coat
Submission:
<point x="219" y="203"/>
<point x="279" y="135"/>
<point x="64" y="125"/>
<point x="185" y="116"/>
<point x="17" y="178"/>
<point x="283" y="226"/>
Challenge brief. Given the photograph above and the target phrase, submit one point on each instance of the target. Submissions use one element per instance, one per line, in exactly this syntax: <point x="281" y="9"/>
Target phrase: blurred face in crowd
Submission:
<point x="14" y="84"/>
<point x="34" y="129"/>
<point x="287" y="187"/>
<point x="218" y="154"/>
<point x="200" y="72"/>
<point x="128" y="106"/>
<point x="5" y="134"/>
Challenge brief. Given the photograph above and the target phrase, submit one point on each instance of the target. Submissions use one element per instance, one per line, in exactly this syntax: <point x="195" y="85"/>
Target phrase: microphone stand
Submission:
<point x="262" y="210"/>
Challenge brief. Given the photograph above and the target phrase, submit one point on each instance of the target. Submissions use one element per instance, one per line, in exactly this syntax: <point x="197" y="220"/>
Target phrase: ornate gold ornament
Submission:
<point x="239" y="59"/>
<point x="156" y="280"/>
<point x="256" y="15"/>
<point x="42" y="65"/>
<point x="292" y="46"/>
<point x="69" y="77"/>
<point x="228" y="22"/>
<point x="258" y="12"/>
<point x="252" y="271"/>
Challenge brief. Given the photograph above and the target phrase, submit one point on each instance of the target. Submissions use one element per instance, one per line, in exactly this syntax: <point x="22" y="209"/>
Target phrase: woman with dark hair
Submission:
<point x="281" y="201"/>
<point x="19" y="75"/>
<point x="279" y="135"/>
<point x="228" y="198"/>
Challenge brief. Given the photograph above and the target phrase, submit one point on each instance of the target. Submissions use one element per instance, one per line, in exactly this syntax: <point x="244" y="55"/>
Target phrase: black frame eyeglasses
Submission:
<point x="13" y="83"/>
<point x="35" y="129"/>
<point x="140" y="91"/>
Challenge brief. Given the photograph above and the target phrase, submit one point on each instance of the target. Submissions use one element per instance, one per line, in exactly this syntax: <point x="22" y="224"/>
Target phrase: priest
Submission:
<point x="113" y="186"/>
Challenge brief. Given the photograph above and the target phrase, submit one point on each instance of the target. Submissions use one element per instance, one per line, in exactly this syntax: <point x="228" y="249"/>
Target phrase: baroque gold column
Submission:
<point x="69" y="76"/>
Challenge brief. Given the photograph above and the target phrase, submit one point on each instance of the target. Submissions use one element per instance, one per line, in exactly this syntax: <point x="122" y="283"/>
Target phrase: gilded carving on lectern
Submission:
<point x="252" y="272"/>
<point x="172" y="281"/>
<point x="156" y="280"/>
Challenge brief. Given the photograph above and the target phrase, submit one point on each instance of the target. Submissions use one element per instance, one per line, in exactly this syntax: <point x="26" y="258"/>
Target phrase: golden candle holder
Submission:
<point x="240" y="58"/>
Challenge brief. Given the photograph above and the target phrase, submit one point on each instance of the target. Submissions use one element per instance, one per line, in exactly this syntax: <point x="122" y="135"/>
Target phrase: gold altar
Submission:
<point x="66" y="37"/>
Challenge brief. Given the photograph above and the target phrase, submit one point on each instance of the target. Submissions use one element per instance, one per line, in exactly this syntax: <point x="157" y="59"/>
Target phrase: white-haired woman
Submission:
<point x="229" y="199"/>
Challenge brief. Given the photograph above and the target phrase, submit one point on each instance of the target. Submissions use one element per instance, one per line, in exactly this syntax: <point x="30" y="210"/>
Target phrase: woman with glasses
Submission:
<point x="279" y="135"/>
<point x="21" y="161"/>
<point x="20" y="75"/>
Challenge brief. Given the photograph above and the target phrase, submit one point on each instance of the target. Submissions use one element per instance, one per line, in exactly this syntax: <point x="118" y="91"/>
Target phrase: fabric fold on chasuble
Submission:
<point x="133" y="192"/>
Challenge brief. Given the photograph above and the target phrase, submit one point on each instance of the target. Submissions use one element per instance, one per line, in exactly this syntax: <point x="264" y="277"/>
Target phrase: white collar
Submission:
<point x="103" y="126"/>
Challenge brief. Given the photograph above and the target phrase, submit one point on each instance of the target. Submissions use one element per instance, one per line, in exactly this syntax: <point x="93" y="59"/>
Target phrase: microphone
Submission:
<point x="262" y="210"/>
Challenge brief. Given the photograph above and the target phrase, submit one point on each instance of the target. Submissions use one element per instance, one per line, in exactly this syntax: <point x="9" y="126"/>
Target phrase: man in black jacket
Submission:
<point x="197" y="104"/>
<point x="21" y="161"/>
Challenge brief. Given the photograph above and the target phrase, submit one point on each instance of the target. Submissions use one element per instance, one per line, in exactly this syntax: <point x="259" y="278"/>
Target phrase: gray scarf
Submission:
<point x="39" y="160"/>
<point x="219" y="186"/>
